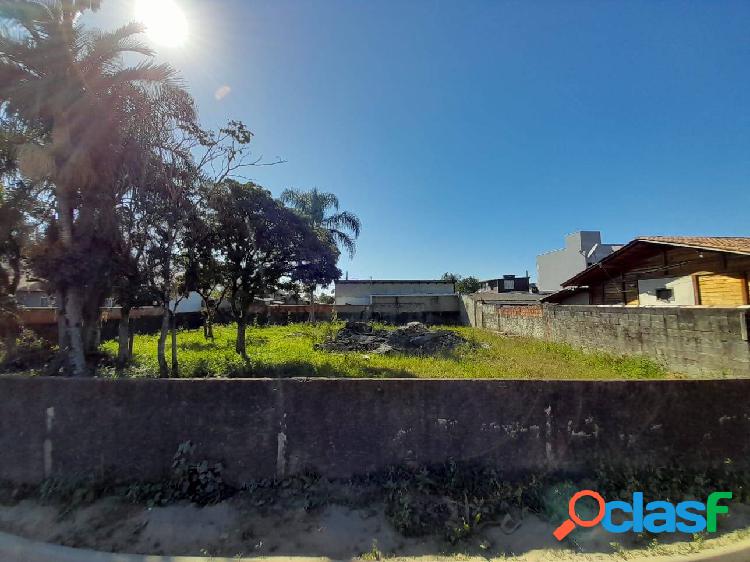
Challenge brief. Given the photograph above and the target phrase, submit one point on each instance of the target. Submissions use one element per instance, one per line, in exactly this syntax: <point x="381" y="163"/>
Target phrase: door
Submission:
<point x="722" y="290"/>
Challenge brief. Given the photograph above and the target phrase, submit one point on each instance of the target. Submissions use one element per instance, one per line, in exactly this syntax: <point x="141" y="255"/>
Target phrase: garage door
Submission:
<point x="723" y="290"/>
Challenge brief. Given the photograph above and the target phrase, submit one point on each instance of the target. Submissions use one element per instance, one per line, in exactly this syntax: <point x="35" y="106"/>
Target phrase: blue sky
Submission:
<point x="471" y="136"/>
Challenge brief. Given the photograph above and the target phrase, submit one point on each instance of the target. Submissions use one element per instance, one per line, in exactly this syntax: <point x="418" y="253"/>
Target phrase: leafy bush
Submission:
<point x="31" y="352"/>
<point x="198" y="482"/>
<point x="454" y="499"/>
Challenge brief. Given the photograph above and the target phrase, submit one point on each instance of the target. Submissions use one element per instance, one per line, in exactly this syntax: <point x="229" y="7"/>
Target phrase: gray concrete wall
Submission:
<point x="694" y="341"/>
<point x="437" y="309"/>
<point x="360" y="292"/>
<point x="129" y="429"/>
<point x="560" y="265"/>
<point x="581" y="250"/>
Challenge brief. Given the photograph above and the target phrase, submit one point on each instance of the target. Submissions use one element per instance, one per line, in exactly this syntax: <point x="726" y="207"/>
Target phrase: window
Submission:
<point x="665" y="294"/>
<point x="509" y="284"/>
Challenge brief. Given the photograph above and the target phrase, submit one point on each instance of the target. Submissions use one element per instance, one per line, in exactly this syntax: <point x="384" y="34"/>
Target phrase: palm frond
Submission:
<point x="343" y="240"/>
<point x="105" y="49"/>
<point x="144" y="72"/>
<point x="344" y="220"/>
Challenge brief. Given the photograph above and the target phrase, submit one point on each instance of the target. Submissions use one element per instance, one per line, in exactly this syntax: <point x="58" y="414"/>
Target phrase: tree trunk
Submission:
<point x="91" y="336"/>
<point x="173" y="329"/>
<point x="73" y="324"/>
<point x="62" y="329"/>
<point x="208" y="326"/>
<point x="312" y="304"/>
<point x="240" y="345"/>
<point x="123" y="338"/>
<point x="73" y="303"/>
<point x="163" y="367"/>
<point x="10" y="344"/>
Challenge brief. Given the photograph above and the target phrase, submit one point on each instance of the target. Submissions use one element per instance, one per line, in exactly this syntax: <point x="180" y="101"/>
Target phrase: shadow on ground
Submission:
<point x="444" y="510"/>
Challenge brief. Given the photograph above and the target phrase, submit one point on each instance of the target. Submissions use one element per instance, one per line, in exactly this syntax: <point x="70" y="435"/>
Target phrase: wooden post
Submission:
<point x="696" y="289"/>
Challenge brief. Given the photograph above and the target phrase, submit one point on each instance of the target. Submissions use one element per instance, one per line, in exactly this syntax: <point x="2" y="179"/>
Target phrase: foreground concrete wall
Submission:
<point x="130" y="429"/>
<point x="689" y="340"/>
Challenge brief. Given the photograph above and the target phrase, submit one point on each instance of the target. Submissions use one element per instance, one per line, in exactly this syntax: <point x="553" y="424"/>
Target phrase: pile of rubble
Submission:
<point x="413" y="338"/>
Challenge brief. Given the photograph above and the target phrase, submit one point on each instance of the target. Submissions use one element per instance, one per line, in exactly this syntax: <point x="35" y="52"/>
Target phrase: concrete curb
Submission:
<point x="18" y="549"/>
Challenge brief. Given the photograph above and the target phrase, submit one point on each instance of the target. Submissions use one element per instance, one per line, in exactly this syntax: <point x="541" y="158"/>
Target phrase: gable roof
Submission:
<point x="732" y="244"/>
<point x="645" y="246"/>
<point x="562" y="294"/>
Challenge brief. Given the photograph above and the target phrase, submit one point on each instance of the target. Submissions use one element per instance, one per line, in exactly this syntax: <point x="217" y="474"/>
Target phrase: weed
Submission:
<point x="287" y="351"/>
<point x="372" y="554"/>
<point x="201" y="482"/>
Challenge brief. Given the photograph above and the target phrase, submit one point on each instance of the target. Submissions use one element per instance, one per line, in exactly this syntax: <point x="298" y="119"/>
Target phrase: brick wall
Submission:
<point x="694" y="341"/>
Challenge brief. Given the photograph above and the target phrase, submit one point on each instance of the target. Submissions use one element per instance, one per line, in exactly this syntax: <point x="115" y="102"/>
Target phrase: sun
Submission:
<point x="164" y="20"/>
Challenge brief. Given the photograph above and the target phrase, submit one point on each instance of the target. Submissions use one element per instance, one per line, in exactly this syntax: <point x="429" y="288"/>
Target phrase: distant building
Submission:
<point x="506" y="284"/>
<point x="582" y="249"/>
<point x="668" y="271"/>
<point x="33" y="294"/>
<point x="362" y="292"/>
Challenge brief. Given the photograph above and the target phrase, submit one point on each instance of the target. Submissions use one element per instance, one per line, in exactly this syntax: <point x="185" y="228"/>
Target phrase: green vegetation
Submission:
<point x="289" y="351"/>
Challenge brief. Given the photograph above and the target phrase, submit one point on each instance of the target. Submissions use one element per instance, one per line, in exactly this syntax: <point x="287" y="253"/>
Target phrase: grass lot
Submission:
<point x="287" y="351"/>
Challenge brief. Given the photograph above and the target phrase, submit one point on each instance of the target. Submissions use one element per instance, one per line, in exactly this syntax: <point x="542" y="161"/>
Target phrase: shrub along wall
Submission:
<point x="689" y="340"/>
<point x="130" y="429"/>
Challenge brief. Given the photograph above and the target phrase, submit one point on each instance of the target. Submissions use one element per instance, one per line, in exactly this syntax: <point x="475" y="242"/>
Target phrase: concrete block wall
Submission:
<point x="694" y="341"/>
<point x="124" y="430"/>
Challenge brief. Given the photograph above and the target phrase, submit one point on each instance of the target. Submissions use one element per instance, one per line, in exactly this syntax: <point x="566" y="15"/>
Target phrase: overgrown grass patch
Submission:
<point x="288" y="351"/>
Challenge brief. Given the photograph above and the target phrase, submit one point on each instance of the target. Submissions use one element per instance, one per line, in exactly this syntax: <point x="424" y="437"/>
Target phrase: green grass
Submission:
<point x="287" y="351"/>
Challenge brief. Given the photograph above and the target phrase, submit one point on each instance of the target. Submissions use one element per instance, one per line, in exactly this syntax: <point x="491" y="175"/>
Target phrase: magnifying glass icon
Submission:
<point x="569" y="524"/>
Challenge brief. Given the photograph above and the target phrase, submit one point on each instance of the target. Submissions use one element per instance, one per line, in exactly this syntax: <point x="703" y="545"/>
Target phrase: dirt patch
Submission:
<point x="239" y="528"/>
<point x="337" y="520"/>
<point x="413" y="338"/>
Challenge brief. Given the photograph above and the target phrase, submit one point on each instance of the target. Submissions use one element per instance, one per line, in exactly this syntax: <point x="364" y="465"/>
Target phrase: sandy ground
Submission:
<point x="238" y="528"/>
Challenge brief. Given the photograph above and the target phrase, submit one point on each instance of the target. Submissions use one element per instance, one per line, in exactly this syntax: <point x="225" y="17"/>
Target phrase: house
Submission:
<point x="33" y="294"/>
<point x="582" y="249"/>
<point x="506" y="284"/>
<point x="669" y="271"/>
<point x="364" y="292"/>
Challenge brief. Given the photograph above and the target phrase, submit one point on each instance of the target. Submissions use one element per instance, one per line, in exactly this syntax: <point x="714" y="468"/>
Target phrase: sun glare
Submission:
<point x="164" y="20"/>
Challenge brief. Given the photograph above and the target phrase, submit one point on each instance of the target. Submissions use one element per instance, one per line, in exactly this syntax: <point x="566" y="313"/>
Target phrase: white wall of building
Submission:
<point x="361" y="292"/>
<point x="582" y="249"/>
<point x="681" y="287"/>
<point x="192" y="303"/>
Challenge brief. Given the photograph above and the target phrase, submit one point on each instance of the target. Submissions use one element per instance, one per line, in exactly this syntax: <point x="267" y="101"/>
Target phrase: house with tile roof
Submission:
<point x="668" y="271"/>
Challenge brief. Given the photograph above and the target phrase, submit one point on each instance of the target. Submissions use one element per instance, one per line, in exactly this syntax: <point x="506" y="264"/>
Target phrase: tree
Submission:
<point x="14" y="233"/>
<point x="326" y="299"/>
<point x="341" y="228"/>
<point x="468" y="285"/>
<point x="463" y="285"/>
<point x="71" y="88"/>
<point x="204" y="271"/>
<point x="262" y="246"/>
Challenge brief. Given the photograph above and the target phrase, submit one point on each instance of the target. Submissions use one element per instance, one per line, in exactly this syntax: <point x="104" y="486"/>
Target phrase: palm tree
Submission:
<point x="338" y="227"/>
<point x="70" y="88"/>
